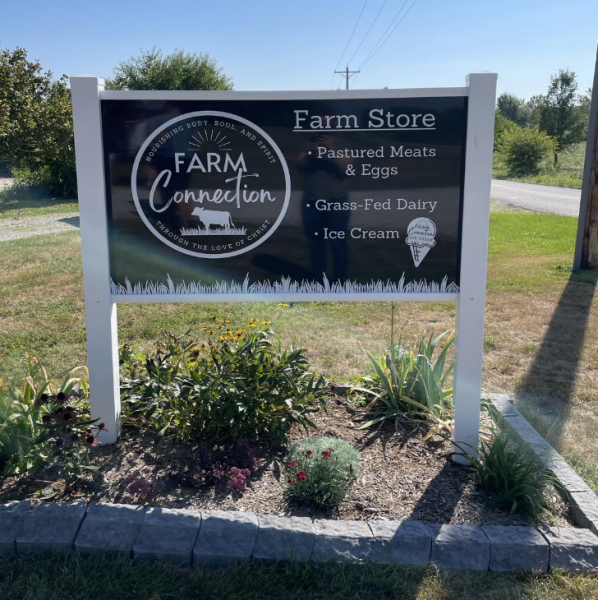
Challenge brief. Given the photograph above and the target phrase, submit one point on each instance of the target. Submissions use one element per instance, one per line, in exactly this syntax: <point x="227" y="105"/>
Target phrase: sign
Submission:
<point x="301" y="196"/>
<point x="356" y="195"/>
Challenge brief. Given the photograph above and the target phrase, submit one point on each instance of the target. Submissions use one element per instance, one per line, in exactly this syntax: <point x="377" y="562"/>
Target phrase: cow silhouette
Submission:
<point x="213" y="217"/>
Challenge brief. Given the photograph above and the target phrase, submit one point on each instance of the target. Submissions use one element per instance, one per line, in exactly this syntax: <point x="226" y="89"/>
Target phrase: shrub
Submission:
<point x="502" y="124"/>
<point x="524" y="149"/>
<point x="238" y="385"/>
<point x="513" y="474"/>
<point x="411" y="383"/>
<point x="320" y="471"/>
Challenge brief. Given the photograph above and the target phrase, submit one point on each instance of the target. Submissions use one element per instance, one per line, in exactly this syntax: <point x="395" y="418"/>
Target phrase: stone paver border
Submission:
<point x="215" y="539"/>
<point x="223" y="538"/>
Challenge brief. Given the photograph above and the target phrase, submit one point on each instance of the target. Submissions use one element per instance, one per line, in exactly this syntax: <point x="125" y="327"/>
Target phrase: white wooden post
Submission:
<point x="469" y="343"/>
<point x="100" y="311"/>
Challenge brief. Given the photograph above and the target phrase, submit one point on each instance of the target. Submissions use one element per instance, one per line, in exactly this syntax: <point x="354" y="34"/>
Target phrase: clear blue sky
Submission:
<point x="285" y="44"/>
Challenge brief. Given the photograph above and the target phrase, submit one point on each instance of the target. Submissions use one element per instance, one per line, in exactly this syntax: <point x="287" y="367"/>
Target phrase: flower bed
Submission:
<point x="402" y="477"/>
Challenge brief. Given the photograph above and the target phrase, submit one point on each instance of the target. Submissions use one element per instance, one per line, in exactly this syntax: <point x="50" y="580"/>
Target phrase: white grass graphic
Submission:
<point x="284" y="285"/>
<point x="188" y="231"/>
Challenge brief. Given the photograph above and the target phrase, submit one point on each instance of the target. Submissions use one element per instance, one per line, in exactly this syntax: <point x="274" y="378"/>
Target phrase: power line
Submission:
<point x="368" y="31"/>
<point x="385" y="31"/>
<point x="367" y="60"/>
<point x="350" y="38"/>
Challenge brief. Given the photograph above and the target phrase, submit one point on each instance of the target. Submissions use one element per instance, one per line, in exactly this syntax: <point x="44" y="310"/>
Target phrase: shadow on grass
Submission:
<point x="106" y="577"/>
<point x="18" y="197"/>
<point x="550" y="381"/>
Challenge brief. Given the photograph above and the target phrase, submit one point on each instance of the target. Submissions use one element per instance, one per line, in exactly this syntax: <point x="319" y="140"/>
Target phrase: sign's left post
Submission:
<point x="100" y="311"/>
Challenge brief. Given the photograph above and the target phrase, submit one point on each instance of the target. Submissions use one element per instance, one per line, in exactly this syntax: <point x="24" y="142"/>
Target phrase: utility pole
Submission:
<point x="347" y="75"/>
<point x="586" y="248"/>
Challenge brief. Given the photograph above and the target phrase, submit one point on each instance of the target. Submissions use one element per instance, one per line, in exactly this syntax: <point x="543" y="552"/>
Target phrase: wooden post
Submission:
<point x="586" y="248"/>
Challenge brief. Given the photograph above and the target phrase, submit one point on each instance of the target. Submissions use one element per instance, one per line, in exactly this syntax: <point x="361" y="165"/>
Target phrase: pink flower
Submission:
<point x="309" y="453"/>
<point x="326" y="453"/>
<point x="301" y="476"/>
<point x="292" y="464"/>
<point x="291" y="481"/>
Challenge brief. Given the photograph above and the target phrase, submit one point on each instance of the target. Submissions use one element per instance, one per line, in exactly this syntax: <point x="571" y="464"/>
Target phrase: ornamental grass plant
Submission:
<point x="512" y="473"/>
<point x="320" y="471"/>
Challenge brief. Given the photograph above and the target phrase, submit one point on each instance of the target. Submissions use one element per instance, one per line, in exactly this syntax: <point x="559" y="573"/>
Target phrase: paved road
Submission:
<point x="543" y="198"/>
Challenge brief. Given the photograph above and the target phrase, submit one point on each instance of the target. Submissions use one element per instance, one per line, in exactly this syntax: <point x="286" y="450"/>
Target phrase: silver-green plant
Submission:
<point x="411" y="382"/>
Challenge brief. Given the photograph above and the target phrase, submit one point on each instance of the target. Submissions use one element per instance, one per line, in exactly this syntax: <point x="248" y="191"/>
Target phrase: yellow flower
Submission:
<point x="204" y="329"/>
<point x="251" y="325"/>
<point x="266" y="322"/>
<point x="240" y="331"/>
<point x="282" y="304"/>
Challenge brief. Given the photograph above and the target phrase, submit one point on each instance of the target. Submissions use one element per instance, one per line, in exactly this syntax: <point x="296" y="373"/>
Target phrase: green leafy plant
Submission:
<point x="515" y="475"/>
<point x="47" y="424"/>
<point x="237" y="385"/>
<point x="17" y="431"/>
<point x="411" y="383"/>
<point x="320" y="471"/>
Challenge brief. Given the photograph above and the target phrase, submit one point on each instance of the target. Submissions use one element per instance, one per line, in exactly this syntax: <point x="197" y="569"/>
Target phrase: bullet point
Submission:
<point x="309" y="151"/>
<point x="316" y="233"/>
<point x="308" y="205"/>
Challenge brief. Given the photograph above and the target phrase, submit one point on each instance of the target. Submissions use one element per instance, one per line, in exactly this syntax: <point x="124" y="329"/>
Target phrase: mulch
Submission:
<point x="403" y="477"/>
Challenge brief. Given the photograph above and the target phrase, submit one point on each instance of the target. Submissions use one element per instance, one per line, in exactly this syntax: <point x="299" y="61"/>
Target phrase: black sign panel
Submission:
<point x="345" y="196"/>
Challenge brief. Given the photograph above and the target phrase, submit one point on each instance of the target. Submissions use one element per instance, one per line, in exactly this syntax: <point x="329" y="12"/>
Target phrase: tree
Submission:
<point x="559" y="115"/>
<point x="36" y="128"/>
<point x="176" y="71"/>
<point x="582" y="110"/>
<point x="513" y="108"/>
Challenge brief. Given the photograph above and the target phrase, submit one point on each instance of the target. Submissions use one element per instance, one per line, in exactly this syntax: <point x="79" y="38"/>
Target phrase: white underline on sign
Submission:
<point x="377" y="129"/>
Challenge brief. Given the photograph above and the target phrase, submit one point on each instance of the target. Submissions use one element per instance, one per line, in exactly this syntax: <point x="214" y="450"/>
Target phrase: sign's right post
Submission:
<point x="469" y="343"/>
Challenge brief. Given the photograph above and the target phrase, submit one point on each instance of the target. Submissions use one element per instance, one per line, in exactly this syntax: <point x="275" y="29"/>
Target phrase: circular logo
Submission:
<point x="210" y="184"/>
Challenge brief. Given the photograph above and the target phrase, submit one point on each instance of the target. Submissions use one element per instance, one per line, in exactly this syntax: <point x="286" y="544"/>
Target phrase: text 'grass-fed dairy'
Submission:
<point x="377" y="119"/>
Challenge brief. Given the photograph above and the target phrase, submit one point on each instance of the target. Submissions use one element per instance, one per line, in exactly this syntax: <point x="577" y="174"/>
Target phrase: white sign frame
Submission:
<point x="100" y="303"/>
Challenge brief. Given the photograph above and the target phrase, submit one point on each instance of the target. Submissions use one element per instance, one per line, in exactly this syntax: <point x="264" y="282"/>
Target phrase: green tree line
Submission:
<point x="526" y="132"/>
<point x="36" y="128"/>
<point x="36" y="124"/>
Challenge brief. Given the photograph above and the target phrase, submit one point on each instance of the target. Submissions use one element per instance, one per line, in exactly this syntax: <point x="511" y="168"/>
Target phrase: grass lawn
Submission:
<point x="541" y="323"/>
<point x="541" y="347"/>
<point x="58" y="577"/>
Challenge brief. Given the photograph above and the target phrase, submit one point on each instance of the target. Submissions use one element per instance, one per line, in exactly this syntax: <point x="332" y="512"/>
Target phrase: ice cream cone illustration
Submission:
<point x="421" y="236"/>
